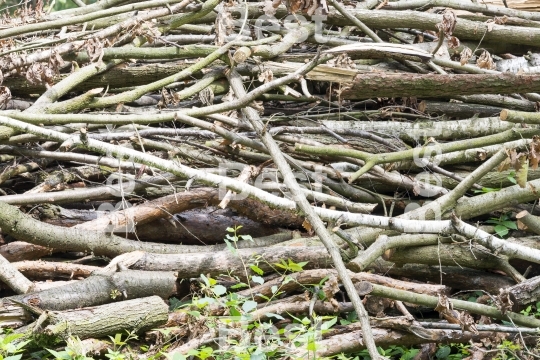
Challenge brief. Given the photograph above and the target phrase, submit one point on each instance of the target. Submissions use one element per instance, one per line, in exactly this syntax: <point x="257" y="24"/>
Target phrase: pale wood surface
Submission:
<point x="529" y="5"/>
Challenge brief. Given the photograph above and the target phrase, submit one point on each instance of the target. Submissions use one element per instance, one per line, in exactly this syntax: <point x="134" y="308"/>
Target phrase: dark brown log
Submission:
<point x="201" y="226"/>
<point x="20" y="250"/>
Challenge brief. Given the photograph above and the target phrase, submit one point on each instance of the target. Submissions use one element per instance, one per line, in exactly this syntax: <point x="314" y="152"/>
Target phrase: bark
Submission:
<point x="526" y="292"/>
<point x="99" y="321"/>
<point x="432" y="85"/>
<point x="97" y="290"/>
<point x="192" y="265"/>
<point x="432" y="301"/>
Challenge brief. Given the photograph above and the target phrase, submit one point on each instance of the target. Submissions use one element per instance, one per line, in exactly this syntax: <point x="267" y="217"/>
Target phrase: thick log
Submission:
<point x="100" y="289"/>
<point x="526" y="292"/>
<point x="99" y="321"/>
<point x="366" y="86"/>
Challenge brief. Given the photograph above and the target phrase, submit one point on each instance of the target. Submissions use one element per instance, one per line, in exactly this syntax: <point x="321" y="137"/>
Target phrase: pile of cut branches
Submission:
<point x="242" y="176"/>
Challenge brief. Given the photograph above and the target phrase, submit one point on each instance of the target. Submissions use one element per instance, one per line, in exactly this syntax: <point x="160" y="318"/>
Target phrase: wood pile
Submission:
<point x="373" y="161"/>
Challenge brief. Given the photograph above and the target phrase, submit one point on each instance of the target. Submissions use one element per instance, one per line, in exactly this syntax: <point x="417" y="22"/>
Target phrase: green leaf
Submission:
<point x="249" y="305"/>
<point x="501" y="230"/>
<point x="234" y="311"/>
<point x="239" y="286"/>
<point x="263" y="297"/>
<point x="59" y="355"/>
<point x="13" y="357"/>
<point x="177" y="356"/>
<point x="274" y="289"/>
<point x="11" y="337"/>
<point x="328" y="324"/>
<point x="443" y="352"/>
<point x="219" y="290"/>
<point x="230" y="247"/>
<point x="311" y="346"/>
<point x="230" y="229"/>
<point x="256" y="269"/>
<point x="205" y="279"/>
<point x="510" y="224"/>
<point x="259" y="280"/>
<point x="247" y="238"/>
<point x="272" y="315"/>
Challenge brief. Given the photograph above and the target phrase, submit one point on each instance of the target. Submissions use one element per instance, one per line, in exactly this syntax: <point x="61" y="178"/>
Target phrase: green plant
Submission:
<point x="452" y="352"/>
<point x="474" y="296"/>
<point x="117" y="342"/>
<point x="291" y="265"/>
<point x="392" y="352"/>
<point x="10" y="347"/>
<point x="503" y="225"/>
<point x="532" y="310"/>
<point x="508" y="350"/>
<point x="74" y="350"/>
<point x="486" y="190"/>
<point x="232" y="238"/>
<point x="512" y="177"/>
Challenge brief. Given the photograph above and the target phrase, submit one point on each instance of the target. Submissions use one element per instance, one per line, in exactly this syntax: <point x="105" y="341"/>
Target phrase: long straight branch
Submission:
<point x="301" y="201"/>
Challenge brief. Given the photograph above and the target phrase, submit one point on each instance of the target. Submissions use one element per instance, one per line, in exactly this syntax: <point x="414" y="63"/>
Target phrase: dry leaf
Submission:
<point x="224" y="25"/>
<point x="306" y="225"/>
<point x="490" y="24"/>
<point x="94" y="49"/>
<point x="445" y="309"/>
<point x="206" y="96"/>
<point x="39" y="74"/>
<point x="330" y="287"/>
<point x="448" y="24"/>
<point x="500" y="20"/>
<point x="270" y="7"/>
<point x="465" y="55"/>
<point x="481" y="155"/>
<point x="522" y="172"/>
<point x="485" y="61"/>
<point x="266" y="76"/>
<point x="453" y="42"/>
<point x="5" y="96"/>
<point x="503" y="301"/>
<point x="504" y="165"/>
<point x="342" y="61"/>
<point x="468" y="324"/>
<point x="534" y="152"/>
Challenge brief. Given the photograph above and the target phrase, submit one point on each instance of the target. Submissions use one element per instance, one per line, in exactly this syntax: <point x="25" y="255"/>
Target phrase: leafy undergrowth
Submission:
<point x="235" y="331"/>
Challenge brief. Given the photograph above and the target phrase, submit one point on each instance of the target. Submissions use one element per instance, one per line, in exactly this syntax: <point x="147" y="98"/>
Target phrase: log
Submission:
<point x="134" y="315"/>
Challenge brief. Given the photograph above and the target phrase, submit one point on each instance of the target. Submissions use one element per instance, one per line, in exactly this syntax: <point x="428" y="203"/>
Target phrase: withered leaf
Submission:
<point x="306" y="225"/>
<point x="468" y="324"/>
<point x="5" y="96"/>
<point x="485" y="61"/>
<point x="448" y="24"/>
<point x="534" y="152"/>
<point x="453" y="42"/>
<point x="465" y="55"/>
<point x="330" y="287"/>
<point x="522" y="172"/>
<point x="503" y="301"/>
